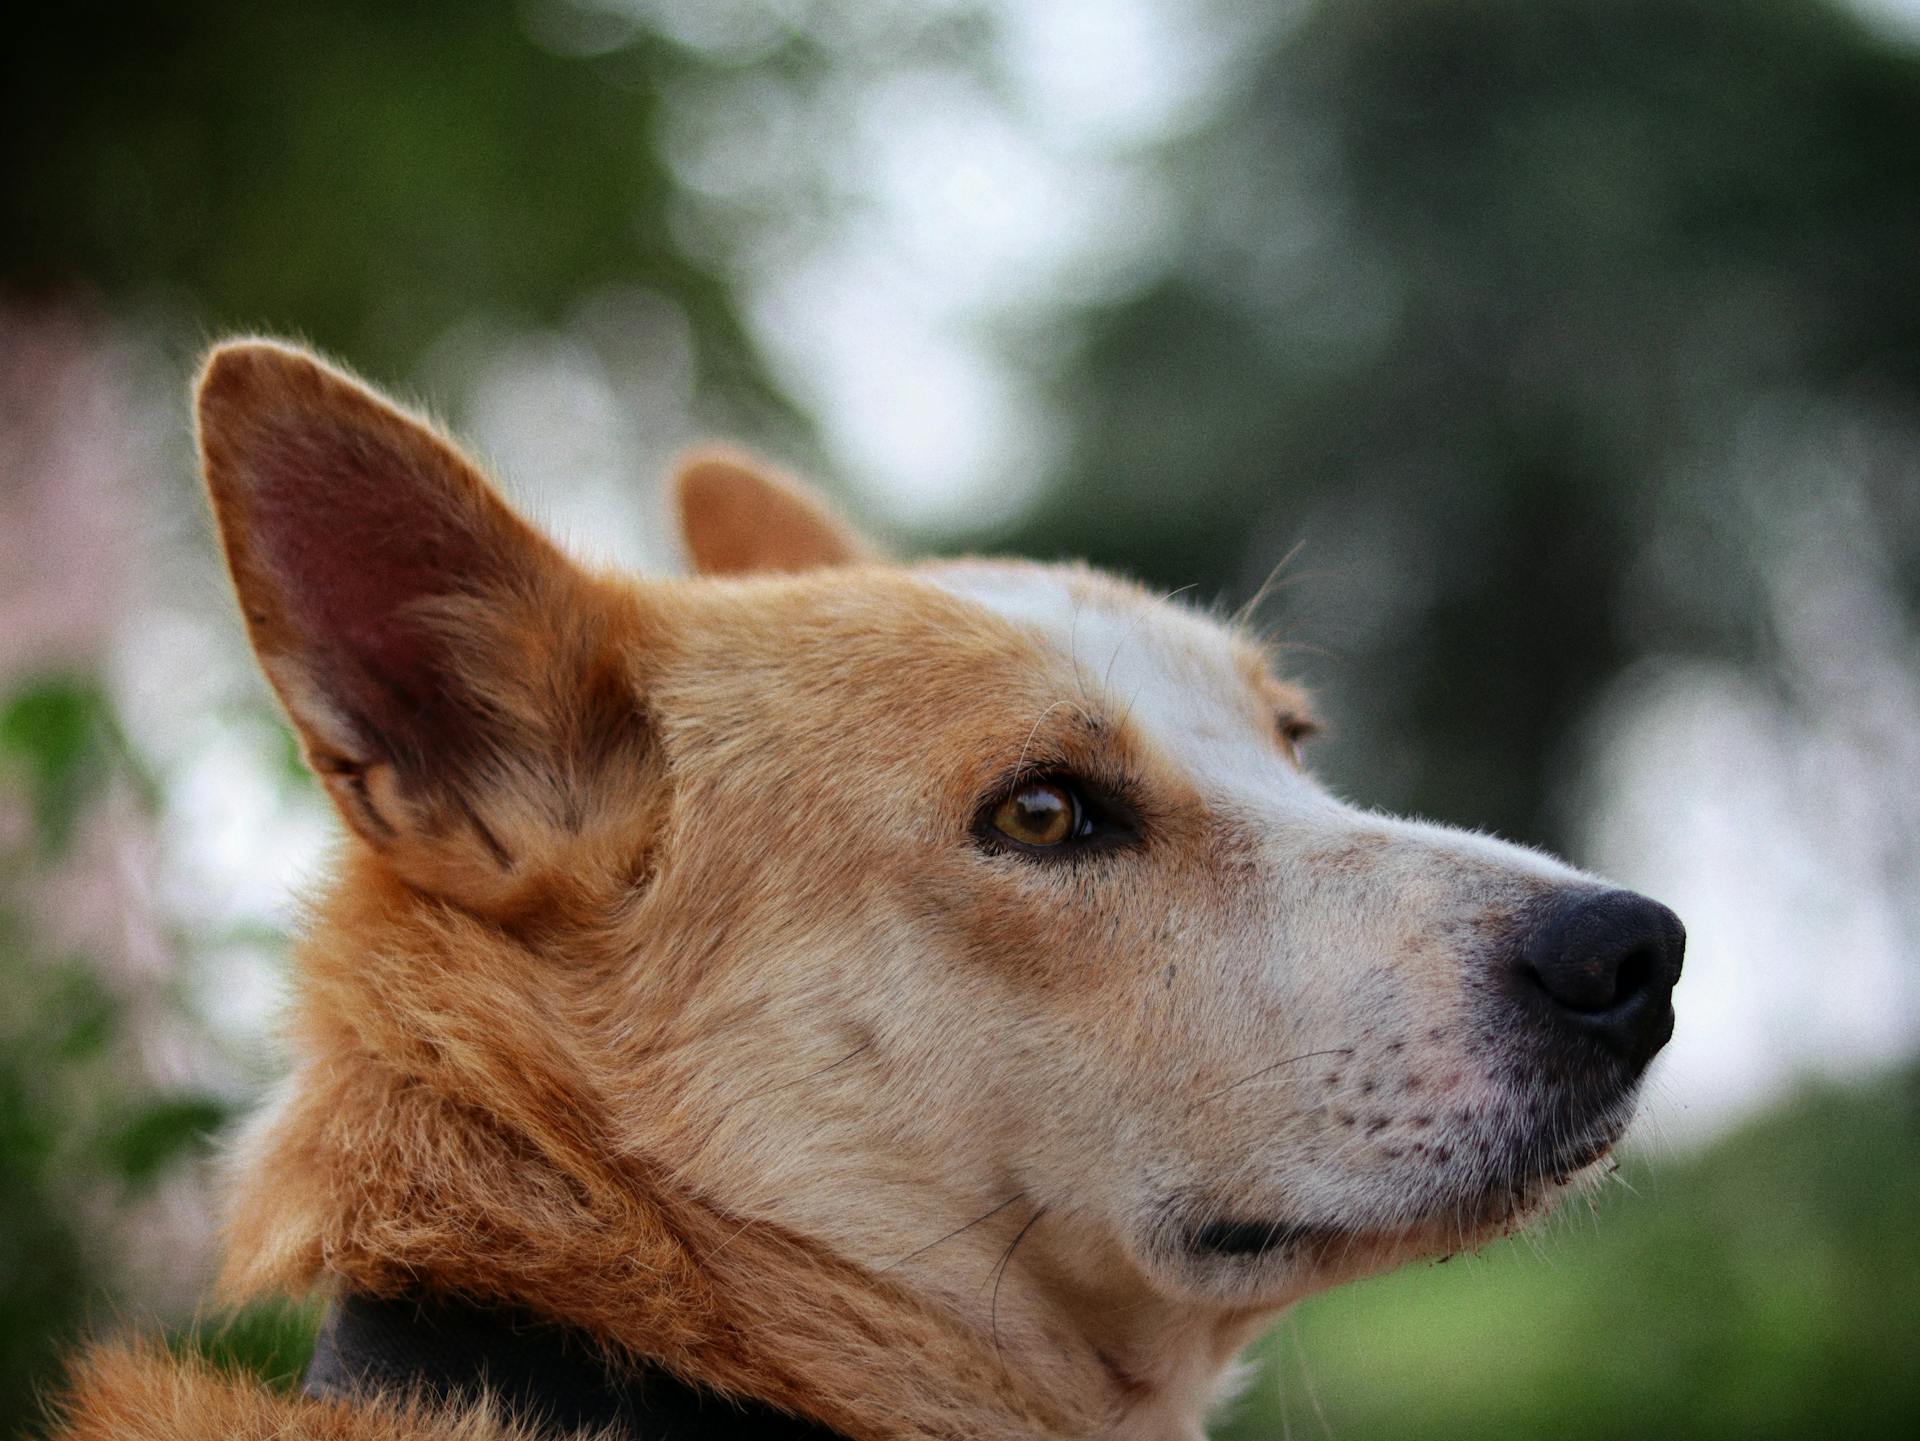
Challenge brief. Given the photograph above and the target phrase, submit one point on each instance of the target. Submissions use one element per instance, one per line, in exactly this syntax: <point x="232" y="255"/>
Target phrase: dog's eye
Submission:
<point x="1054" y="816"/>
<point x="1040" y="814"/>
<point x="1294" y="731"/>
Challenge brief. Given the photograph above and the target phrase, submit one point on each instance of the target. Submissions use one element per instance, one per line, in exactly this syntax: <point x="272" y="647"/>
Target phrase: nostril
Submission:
<point x="1596" y="987"/>
<point x="1572" y="990"/>
<point x="1634" y="975"/>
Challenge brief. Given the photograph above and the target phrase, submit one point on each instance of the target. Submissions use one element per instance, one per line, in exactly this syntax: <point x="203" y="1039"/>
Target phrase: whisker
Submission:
<point x="1252" y="606"/>
<point x="1073" y="645"/>
<point x="1020" y="765"/>
<point x="731" y="1238"/>
<point x="951" y="1234"/>
<point x="1305" y="647"/>
<point x="1306" y="1377"/>
<point x="1139" y="620"/>
<point x="1000" y="1274"/>
<point x="1265" y="1070"/>
<point x="801" y="1080"/>
<point x="732" y="1106"/>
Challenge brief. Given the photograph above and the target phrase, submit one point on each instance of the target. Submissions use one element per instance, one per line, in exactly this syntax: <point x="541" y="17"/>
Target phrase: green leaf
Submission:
<point x="83" y="1016"/>
<point x="273" y="1340"/>
<point x="58" y="732"/>
<point x="159" y="1133"/>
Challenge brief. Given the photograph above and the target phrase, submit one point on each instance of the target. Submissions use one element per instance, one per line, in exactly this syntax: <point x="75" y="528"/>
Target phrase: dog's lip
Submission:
<point x="1577" y="1156"/>
<point x="1532" y="1165"/>
<point x="1495" y="1204"/>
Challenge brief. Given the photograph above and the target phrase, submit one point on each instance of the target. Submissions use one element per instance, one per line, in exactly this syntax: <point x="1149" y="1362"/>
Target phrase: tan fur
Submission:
<point x="662" y="989"/>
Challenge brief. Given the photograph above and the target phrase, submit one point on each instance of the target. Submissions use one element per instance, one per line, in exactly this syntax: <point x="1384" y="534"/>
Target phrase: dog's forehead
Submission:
<point x="1179" y="677"/>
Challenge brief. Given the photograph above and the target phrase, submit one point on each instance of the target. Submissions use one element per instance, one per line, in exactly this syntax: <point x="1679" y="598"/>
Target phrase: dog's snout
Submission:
<point x="1603" y="965"/>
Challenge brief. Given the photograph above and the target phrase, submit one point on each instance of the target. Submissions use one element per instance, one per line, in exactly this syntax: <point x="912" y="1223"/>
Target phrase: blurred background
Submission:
<point x="1569" y="348"/>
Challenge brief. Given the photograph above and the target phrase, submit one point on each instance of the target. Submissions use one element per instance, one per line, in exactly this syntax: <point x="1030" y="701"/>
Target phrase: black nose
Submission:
<point x="1603" y="966"/>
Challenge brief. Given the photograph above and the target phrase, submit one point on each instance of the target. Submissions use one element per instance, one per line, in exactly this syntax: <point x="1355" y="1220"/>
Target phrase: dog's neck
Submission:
<point x="331" y="1196"/>
<point x="423" y="1143"/>
<point x="1018" y="1277"/>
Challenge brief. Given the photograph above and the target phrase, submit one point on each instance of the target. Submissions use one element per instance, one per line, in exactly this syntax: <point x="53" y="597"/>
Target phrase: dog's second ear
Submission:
<point x="459" y="685"/>
<point x="738" y="517"/>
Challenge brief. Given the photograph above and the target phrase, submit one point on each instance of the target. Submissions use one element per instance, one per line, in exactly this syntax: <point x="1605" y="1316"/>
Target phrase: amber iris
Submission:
<point x="1040" y="813"/>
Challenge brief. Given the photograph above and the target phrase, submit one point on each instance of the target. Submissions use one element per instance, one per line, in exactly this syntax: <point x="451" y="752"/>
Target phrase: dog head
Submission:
<point x="977" y="920"/>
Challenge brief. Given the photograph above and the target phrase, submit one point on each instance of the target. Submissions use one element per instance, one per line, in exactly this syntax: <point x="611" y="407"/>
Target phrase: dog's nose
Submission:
<point x="1603" y="965"/>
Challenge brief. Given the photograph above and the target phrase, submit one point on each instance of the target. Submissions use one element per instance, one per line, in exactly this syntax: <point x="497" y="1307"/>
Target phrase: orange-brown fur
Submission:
<point x="142" y="1393"/>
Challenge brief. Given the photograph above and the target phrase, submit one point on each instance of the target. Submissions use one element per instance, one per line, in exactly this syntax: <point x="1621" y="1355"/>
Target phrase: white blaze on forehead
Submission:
<point x="1174" y="675"/>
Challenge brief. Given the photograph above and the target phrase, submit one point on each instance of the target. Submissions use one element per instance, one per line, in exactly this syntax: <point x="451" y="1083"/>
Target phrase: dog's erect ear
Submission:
<point x="738" y="517"/>
<point x="454" y="678"/>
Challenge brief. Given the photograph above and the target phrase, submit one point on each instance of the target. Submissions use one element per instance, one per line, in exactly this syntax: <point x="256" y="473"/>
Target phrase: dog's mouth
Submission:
<point x="1230" y="1241"/>
<point x="1255" y="1238"/>
<point x="1453" y="1219"/>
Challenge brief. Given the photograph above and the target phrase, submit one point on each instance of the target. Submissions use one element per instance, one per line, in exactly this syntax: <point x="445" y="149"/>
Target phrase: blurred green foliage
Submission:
<point x="56" y="737"/>
<point x="76" y="1129"/>
<point x="75" y="1125"/>
<point x="45" y="1277"/>
<point x="365" y="175"/>
<point x="272" y="1341"/>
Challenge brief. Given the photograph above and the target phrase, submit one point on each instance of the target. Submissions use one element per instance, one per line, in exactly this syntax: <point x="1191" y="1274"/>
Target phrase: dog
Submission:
<point x="826" y="997"/>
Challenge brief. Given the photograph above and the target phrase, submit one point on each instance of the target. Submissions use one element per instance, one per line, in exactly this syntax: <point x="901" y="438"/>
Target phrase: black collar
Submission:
<point x="548" y="1376"/>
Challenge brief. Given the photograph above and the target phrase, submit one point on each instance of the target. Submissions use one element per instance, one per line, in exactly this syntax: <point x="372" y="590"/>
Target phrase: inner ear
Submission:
<point x="458" y="683"/>
<point x="739" y="517"/>
<point x="353" y="531"/>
